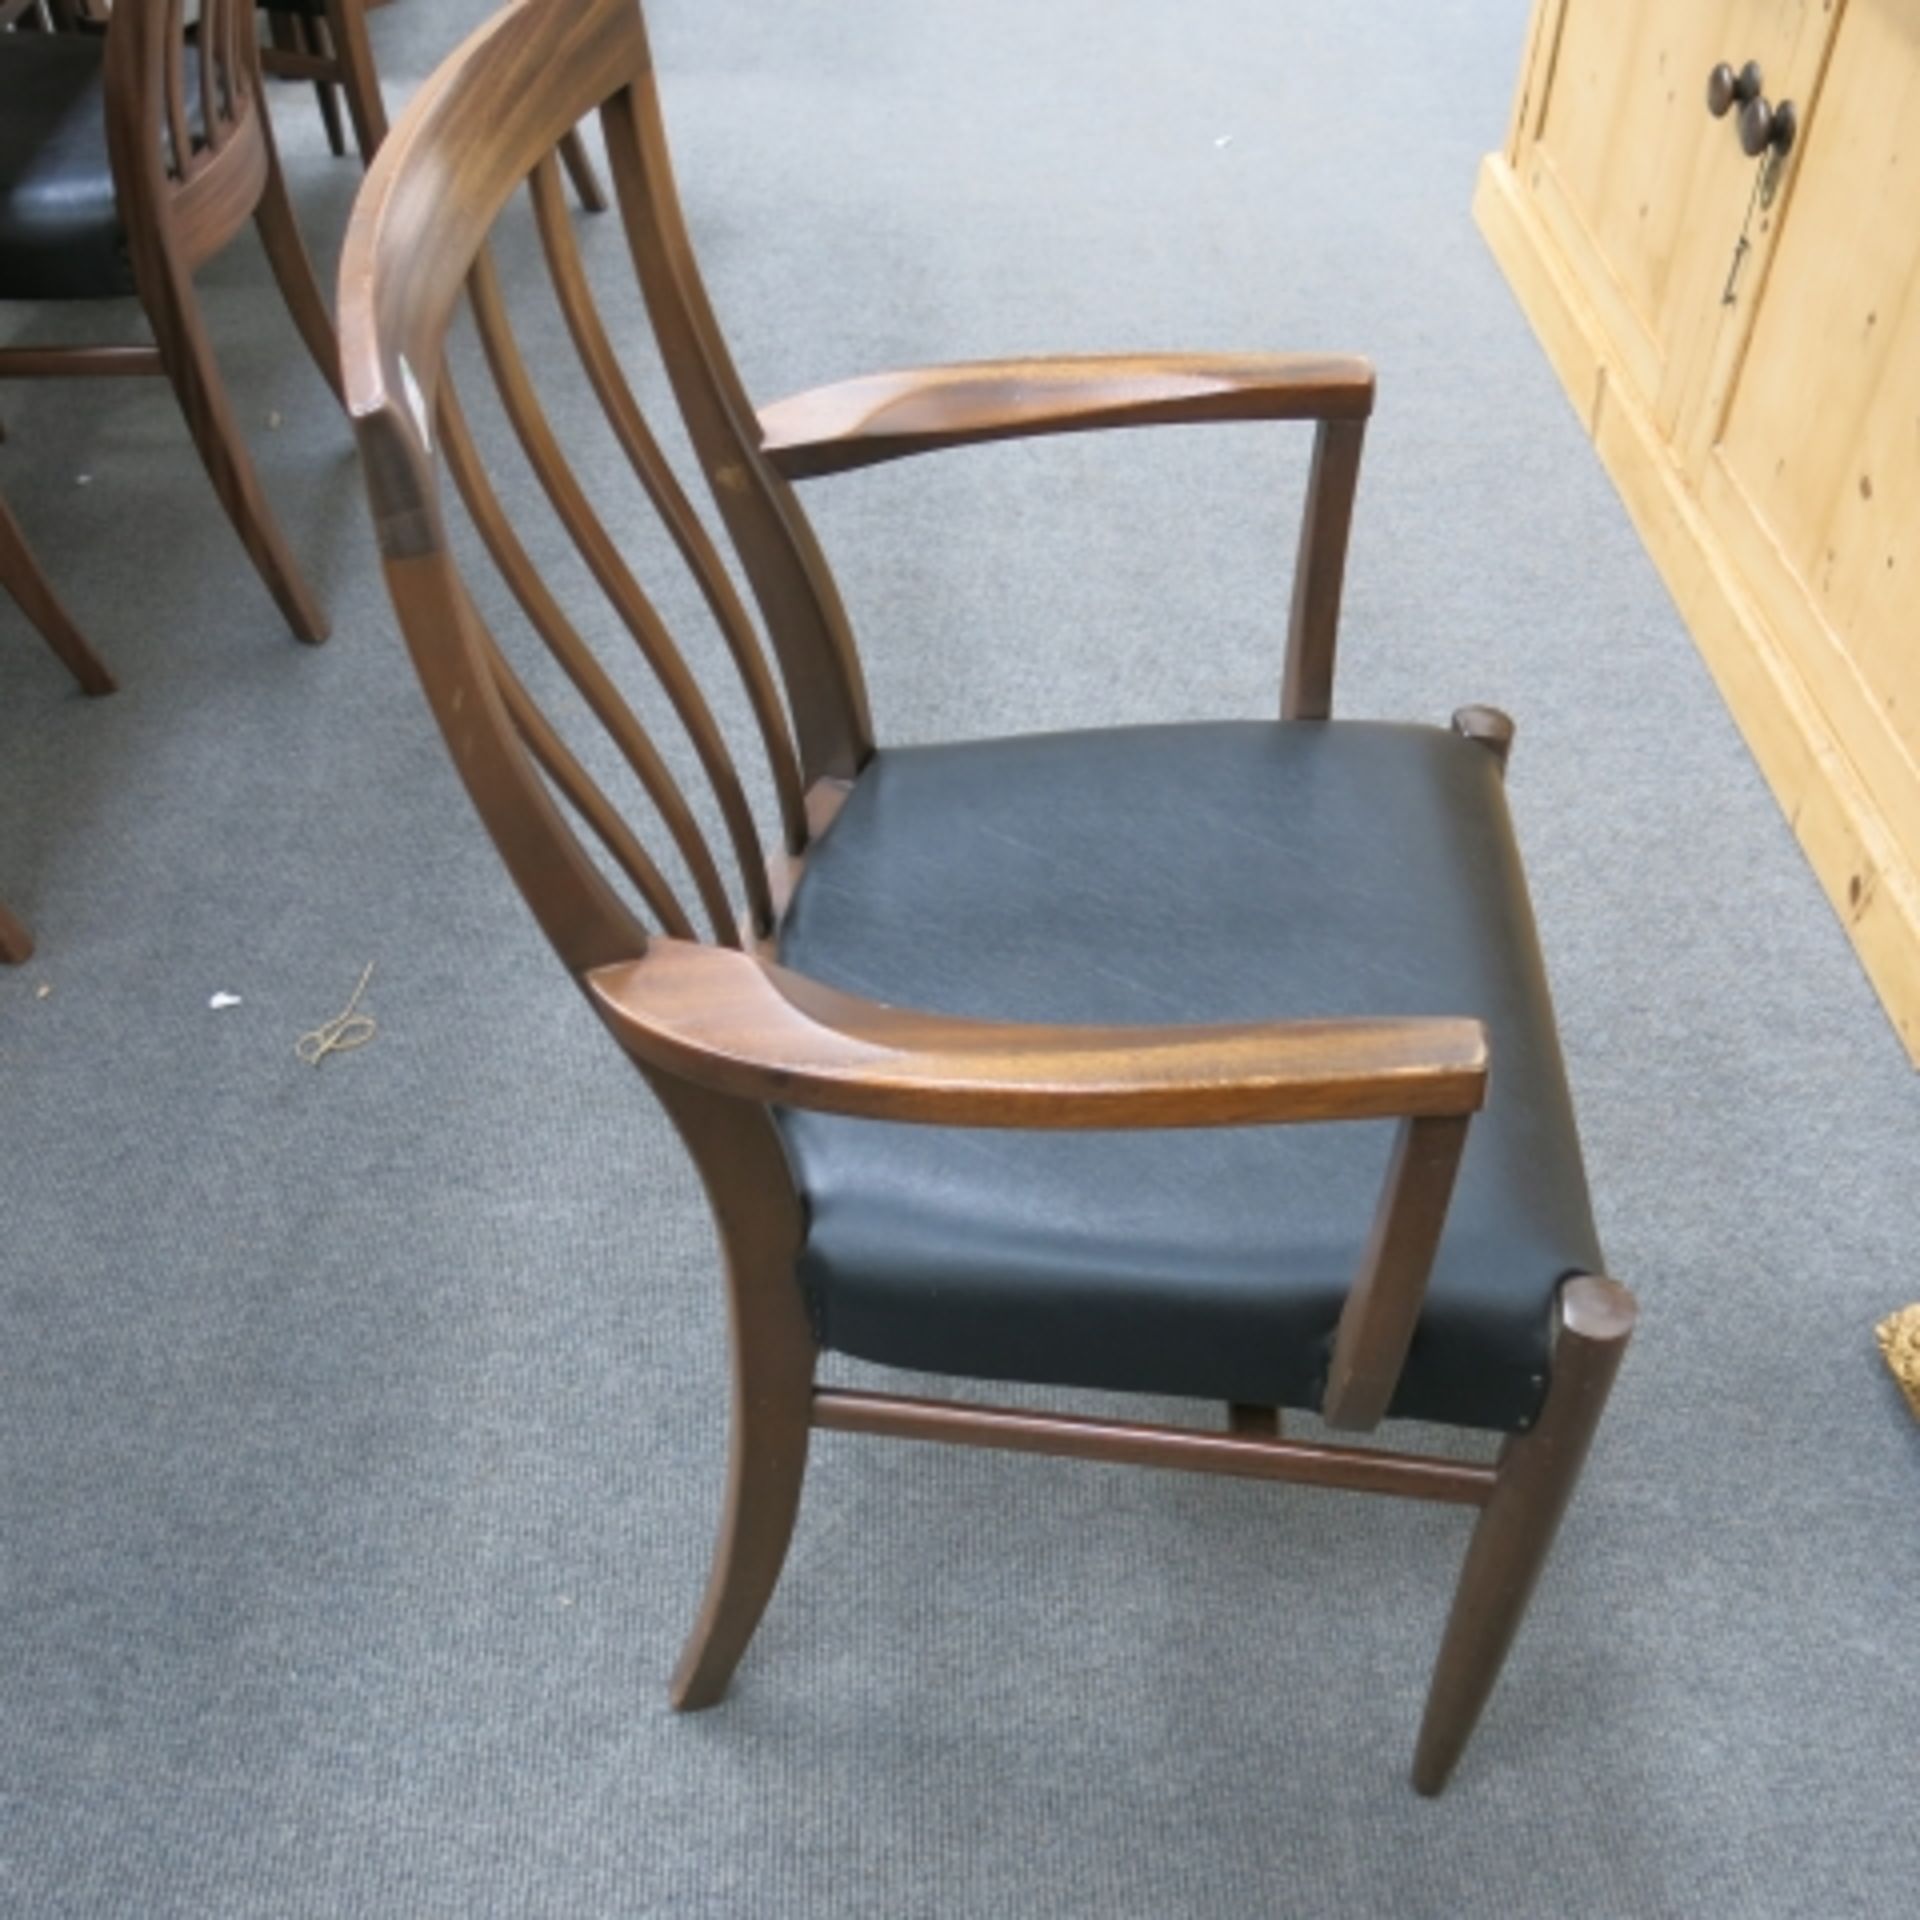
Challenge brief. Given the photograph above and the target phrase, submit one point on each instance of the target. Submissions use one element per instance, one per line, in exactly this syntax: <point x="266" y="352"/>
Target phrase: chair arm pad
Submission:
<point x="885" y="416"/>
<point x="743" y="1026"/>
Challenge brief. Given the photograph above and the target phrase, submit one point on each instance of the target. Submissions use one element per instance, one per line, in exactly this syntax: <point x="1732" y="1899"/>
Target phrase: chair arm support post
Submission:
<point x="741" y="1026"/>
<point x="1383" y="1306"/>
<point x="1306" y="687"/>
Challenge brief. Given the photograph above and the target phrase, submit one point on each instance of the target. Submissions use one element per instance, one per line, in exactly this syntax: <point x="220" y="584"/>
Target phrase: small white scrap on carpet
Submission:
<point x="222" y="1000"/>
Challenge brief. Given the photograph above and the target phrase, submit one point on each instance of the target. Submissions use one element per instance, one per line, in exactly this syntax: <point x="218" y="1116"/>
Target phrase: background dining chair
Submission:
<point x="326" y="41"/>
<point x="1209" y="1061"/>
<point x="127" y="161"/>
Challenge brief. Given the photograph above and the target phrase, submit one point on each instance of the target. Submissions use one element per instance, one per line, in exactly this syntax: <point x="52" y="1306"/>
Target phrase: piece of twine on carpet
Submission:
<point x="348" y="1029"/>
<point x="1899" y="1337"/>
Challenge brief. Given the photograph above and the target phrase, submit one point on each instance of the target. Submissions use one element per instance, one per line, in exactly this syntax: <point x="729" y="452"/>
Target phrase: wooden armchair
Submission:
<point x="127" y="161"/>
<point x="1256" y="1102"/>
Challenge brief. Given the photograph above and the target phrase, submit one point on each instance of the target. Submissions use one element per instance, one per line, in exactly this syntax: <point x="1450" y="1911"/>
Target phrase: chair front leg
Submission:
<point x="761" y="1226"/>
<point x="1515" y="1532"/>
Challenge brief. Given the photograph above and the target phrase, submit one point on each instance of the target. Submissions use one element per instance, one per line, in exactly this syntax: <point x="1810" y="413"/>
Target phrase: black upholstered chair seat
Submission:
<point x="1185" y="873"/>
<point x="60" y="233"/>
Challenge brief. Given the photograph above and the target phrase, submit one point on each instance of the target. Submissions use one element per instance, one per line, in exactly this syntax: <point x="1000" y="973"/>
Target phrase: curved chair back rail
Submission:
<point x="675" y="932"/>
<point x="326" y="42"/>
<point x="490" y="122"/>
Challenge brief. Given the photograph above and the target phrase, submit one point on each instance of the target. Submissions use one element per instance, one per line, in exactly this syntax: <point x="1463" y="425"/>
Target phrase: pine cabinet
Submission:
<point x="1724" y="269"/>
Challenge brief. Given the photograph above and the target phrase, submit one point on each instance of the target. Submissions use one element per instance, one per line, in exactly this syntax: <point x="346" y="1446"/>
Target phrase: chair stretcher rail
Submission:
<point x="1130" y="1443"/>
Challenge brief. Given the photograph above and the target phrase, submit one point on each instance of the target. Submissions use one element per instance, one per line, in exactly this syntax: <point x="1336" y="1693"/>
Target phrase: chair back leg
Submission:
<point x="21" y="576"/>
<point x="287" y="34"/>
<point x="1515" y="1531"/>
<point x="312" y="35"/>
<point x="187" y="355"/>
<point x="16" y="943"/>
<point x="345" y="30"/>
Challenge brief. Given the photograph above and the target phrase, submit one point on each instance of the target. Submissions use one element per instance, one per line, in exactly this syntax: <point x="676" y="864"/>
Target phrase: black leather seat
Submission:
<point x="1180" y="873"/>
<point x="60" y="232"/>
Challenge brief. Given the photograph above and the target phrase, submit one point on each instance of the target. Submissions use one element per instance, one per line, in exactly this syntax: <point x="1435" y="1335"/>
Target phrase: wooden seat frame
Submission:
<point x="186" y="184"/>
<point x="720" y="1031"/>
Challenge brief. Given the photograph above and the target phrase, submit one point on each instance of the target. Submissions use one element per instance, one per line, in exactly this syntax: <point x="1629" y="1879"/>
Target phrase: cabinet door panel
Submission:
<point x="1818" y="456"/>
<point x="1642" y="189"/>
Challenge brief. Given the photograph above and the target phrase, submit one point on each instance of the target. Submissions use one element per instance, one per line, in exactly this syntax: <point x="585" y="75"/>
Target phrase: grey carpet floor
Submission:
<point x="361" y="1429"/>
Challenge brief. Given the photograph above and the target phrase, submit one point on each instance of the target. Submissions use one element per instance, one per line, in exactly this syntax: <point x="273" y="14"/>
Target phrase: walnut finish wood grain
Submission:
<point x="1246" y="1453"/>
<point x="1306" y="685"/>
<point x="762" y="1225"/>
<point x="1383" y="1306"/>
<point x="888" y="416"/>
<point x="438" y="183"/>
<point x="739" y="1025"/>
<point x="798" y="597"/>
<point x="696" y="548"/>
<point x="583" y="667"/>
<point x="605" y="560"/>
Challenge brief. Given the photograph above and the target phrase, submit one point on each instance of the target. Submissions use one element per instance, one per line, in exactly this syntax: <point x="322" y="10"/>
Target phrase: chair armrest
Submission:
<point x="742" y="1026"/>
<point x="886" y="416"/>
